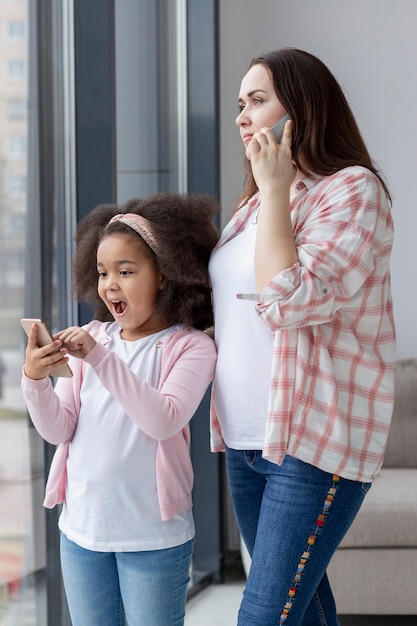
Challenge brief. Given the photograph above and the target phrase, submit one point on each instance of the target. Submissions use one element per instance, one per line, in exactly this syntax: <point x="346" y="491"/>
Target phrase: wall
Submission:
<point x="371" y="47"/>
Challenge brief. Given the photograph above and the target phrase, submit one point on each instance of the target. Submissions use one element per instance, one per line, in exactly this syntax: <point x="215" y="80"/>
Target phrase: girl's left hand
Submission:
<point x="272" y="162"/>
<point x="77" y="341"/>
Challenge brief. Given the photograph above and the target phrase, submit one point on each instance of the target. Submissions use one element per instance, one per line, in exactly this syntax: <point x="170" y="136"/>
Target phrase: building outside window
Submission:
<point x="16" y="70"/>
<point x="17" y="186"/>
<point x="16" y="31"/>
<point x="16" y="147"/>
<point x="21" y="453"/>
<point x="16" y="109"/>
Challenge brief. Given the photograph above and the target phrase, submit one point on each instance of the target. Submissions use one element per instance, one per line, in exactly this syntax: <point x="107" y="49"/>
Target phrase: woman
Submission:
<point x="303" y="389"/>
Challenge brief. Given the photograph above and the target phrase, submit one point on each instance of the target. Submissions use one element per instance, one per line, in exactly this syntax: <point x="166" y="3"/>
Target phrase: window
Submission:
<point x="18" y="228"/>
<point x="16" y="31"/>
<point x="22" y="518"/>
<point x="17" y="186"/>
<point x="16" y="109"/>
<point x="16" y="69"/>
<point x="16" y="147"/>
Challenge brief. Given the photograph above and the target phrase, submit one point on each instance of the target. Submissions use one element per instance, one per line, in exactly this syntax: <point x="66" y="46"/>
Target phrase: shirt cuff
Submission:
<point x="96" y="355"/>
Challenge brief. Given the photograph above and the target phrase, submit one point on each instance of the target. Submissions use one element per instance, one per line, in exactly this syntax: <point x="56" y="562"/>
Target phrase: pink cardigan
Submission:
<point x="187" y="368"/>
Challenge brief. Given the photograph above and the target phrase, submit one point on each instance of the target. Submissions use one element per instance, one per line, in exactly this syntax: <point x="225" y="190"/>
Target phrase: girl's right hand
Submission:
<point x="41" y="361"/>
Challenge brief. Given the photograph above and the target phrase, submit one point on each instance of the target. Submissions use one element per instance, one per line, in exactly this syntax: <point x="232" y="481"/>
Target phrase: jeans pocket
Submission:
<point x="366" y="487"/>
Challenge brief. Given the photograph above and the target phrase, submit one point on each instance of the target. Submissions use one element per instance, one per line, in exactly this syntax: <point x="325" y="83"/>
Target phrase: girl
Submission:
<point x="303" y="389"/>
<point x="122" y="468"/>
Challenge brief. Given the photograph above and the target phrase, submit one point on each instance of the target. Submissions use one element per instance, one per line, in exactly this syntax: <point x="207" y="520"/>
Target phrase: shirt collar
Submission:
<point x="310" y="180"/>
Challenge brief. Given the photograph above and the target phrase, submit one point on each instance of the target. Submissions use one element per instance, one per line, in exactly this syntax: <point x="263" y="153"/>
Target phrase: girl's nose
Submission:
<point x="111" y="283"/>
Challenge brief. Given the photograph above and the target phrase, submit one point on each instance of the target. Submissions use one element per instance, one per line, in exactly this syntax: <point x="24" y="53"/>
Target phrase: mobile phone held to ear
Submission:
<point x="45" y="337"/>
<point x="278" y="127"/>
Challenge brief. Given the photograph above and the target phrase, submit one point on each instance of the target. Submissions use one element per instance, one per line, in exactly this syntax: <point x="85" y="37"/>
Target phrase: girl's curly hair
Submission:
<point x="184" y="230"/>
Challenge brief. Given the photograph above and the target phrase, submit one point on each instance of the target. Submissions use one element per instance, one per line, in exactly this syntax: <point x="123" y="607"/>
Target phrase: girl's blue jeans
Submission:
<point x="115" y="588"/>
<point x="292" y="517"/>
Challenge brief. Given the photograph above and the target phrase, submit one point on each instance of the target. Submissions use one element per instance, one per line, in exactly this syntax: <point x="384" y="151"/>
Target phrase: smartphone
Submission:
<point x="278" y="127"/>
<point x="45" y="337"/>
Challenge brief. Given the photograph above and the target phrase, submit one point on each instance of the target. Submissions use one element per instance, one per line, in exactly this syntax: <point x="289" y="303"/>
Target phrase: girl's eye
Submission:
<point x="124" y="272"/>
<point x="102" y="274"/>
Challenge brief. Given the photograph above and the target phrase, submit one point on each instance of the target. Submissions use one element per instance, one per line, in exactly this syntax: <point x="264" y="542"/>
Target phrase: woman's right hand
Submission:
<point x="271" y="162"/>
<point x="41" y="361"/>
<point x="274" y="172"/>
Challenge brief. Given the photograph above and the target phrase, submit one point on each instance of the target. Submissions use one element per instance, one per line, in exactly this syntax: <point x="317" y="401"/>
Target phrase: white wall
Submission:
<point x="371" y="48"/>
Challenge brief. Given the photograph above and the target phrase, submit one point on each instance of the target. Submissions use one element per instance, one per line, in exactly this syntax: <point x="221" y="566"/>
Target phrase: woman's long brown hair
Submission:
<point x="325" y="131"/>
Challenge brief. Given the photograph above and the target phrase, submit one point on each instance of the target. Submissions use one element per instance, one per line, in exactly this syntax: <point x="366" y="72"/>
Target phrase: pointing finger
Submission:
<point x="287" y="134"/>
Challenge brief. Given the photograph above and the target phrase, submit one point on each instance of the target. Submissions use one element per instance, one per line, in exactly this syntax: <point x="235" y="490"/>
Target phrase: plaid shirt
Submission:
<point x="331" y="319"/>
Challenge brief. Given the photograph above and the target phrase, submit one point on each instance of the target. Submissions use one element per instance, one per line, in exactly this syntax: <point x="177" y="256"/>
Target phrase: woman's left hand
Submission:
<point x="271" y="162"/>
<point x="77" y="341"/>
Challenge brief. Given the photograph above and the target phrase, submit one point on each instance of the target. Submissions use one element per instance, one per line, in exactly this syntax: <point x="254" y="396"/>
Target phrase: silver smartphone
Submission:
<point x="278" y="127"/>
<point x="45" y="337"/>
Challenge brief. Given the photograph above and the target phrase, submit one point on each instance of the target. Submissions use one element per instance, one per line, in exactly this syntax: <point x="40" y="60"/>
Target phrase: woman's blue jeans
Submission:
<point x="115" y="588"/>
<point x="292" y="517"/>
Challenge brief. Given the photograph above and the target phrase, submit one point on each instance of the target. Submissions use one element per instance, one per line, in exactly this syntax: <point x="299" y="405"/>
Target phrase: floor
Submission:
<point x="217" y="605"/>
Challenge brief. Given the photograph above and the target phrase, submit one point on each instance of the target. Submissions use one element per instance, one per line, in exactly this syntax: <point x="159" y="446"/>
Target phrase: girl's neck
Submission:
<point x="135" y="335"/>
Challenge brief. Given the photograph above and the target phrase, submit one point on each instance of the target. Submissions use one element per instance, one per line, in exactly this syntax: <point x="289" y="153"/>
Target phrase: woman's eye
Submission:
<point x="257" y="101"/>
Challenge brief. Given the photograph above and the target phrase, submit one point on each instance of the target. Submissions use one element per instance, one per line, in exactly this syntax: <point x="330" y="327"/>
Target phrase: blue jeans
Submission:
<point x="115" y="588"/>
<point x="292" y="518"/>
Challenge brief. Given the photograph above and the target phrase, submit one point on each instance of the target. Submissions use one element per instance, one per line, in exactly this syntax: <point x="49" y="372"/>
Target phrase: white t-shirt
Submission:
<point x="243" y="370"/>
<point x="111" y="500"/>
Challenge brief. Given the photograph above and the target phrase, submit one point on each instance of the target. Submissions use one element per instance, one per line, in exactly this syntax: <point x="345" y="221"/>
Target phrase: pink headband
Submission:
<point x="141" y="225"/>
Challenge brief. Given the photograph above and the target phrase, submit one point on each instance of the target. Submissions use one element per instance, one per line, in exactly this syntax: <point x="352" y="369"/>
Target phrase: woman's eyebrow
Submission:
<point x="251" y="93"/>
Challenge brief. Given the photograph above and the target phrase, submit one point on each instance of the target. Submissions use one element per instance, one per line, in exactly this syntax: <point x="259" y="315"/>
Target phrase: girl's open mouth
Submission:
<point x="119" y="307"/>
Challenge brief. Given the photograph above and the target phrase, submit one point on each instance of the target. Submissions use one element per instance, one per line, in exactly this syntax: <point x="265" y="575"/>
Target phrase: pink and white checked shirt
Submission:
<point x="330" y="314"/>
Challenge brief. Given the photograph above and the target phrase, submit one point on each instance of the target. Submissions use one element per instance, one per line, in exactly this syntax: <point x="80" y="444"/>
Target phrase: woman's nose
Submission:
<point x="241" y="119"/>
